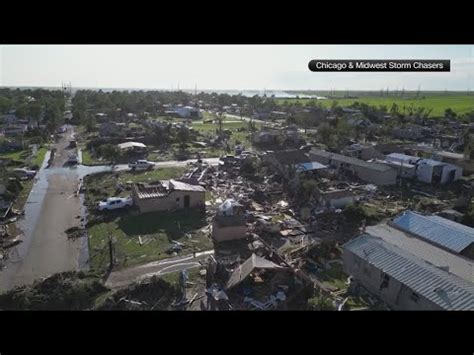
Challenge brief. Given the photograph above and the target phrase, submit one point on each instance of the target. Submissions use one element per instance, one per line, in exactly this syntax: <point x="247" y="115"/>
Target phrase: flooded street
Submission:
<point x="52" y="208"/>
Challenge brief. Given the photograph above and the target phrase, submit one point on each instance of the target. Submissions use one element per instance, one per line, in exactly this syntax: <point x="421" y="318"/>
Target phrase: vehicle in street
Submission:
<point x="113" y="203"/>
<point x="24" y="173"/>
<point x="141" y="165"/>
<point x="73" y="159"/>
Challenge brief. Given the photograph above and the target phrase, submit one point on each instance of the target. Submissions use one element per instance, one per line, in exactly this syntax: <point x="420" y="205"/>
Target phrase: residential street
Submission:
<point x="51" y="208"/>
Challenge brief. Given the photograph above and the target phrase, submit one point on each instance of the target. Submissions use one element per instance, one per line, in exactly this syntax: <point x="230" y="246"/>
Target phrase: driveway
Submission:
<point x="124" y="277"/>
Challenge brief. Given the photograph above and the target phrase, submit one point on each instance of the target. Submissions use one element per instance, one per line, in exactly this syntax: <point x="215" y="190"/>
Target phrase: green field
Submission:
<point x="459" y="103"/>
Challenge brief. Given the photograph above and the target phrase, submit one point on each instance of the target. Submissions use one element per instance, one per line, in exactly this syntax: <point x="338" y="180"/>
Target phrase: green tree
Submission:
<point x="5" y="105"/>
<point x="308" y="188"/>
<point x="183" y="136"/>
<point x="34" y="110"/>
<point x="449" y="113"/>
<point x="90" y="122"/>
<point x="109" y="152"/>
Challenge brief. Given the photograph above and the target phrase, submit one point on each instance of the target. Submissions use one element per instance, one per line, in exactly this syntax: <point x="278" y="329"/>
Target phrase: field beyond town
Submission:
<point x="437" y="103"/>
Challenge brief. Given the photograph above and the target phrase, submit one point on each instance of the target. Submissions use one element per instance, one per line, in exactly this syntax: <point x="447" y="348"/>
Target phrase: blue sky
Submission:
<point x="226" y="67"/>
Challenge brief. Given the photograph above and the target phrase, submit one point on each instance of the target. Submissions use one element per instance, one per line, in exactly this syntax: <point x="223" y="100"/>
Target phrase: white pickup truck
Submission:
<point x="113" y="203"/>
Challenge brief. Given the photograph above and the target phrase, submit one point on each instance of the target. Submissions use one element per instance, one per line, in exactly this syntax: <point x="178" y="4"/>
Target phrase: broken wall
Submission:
<point x="175" y="200"/>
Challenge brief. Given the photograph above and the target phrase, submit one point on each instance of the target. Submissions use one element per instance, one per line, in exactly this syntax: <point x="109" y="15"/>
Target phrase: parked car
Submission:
<point x="73" y="159"/>
<point x="141" y="165"/>
<point x="113" y="203"/>
<point x="24" y="173"/>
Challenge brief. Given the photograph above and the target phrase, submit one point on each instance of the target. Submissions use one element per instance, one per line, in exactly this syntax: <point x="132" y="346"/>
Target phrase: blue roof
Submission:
<point x="440" y="231"/>
<point x="440" y="287"/>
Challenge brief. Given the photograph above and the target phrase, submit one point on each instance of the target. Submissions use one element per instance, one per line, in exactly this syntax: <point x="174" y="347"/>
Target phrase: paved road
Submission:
<point x="52" y="207"/>
<point x="50" y="210"/>
<point x="122" y="278"/>
<point x="243" y="118"/>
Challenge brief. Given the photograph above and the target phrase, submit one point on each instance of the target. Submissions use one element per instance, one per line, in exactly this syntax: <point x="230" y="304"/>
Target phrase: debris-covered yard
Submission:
<point x="140" y="238"/>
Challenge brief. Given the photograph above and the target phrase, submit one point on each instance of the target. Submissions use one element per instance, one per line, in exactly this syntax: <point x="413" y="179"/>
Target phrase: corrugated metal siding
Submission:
<point x="440" y="287"/>
<point x="448" y="234"/>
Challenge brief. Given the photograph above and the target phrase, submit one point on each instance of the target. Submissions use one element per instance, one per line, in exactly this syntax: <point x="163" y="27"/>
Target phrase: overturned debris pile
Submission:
<point x="63" y="291"/>
<point x="152" y="294"/>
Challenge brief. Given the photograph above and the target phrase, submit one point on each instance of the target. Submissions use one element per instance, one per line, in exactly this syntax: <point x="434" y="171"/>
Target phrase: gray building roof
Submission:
<point x="244" y="270"/>
<point x="440" y="287"/>
<point x="437" y="230"/>
<point x="348" y="160"/>
<point x="442" y="258"/>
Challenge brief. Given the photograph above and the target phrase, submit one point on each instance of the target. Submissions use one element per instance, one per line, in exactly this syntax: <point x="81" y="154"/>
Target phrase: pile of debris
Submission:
<point x="7" y="240"/>
<point x="151" y="294"/>
<point x="62" y="291"/>
<point x="76" y="232"/>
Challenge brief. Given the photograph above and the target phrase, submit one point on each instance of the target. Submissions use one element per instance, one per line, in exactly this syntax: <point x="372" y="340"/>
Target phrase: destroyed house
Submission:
<point x="360" y="151"/>
<point x="188" y="112"/>
<point x="402" y="280"/>
<point x="433" y="171"/>
<point x="425" y="170"/>
<point x="285" y="161"/>
<point x="370" y="172"/>
<point x="110" y="129"/>
<point x="229" y="222"/>
<point x="336" y="198"/>
<point x="405" y="165"/>
<point x="168" y="195"/>
<point x="273" y="135"/>
<point x="250" y="265"/>
<point x="454" y="237"/>
<point x="261" y="284"/>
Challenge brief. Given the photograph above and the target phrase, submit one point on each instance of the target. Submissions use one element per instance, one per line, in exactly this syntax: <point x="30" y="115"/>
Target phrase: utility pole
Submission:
<point x="111" y="252"/>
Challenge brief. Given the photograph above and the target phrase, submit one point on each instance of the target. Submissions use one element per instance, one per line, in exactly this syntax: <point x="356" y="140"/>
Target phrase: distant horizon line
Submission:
<point x="210" y="90"/>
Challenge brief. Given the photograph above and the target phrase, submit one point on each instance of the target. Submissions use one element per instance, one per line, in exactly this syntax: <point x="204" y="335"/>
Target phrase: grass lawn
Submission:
<point x="23" y="195"/>
<point x="193" y="276"/>
<point x="156" y="230"/>
<point x="209" y="129"/>
<point x="38" y="160"/>
<point x="19" y="155"/>
<point x="459" y="103"/>
<point x="334" y="276"/>
<point x="88" y="159"/>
